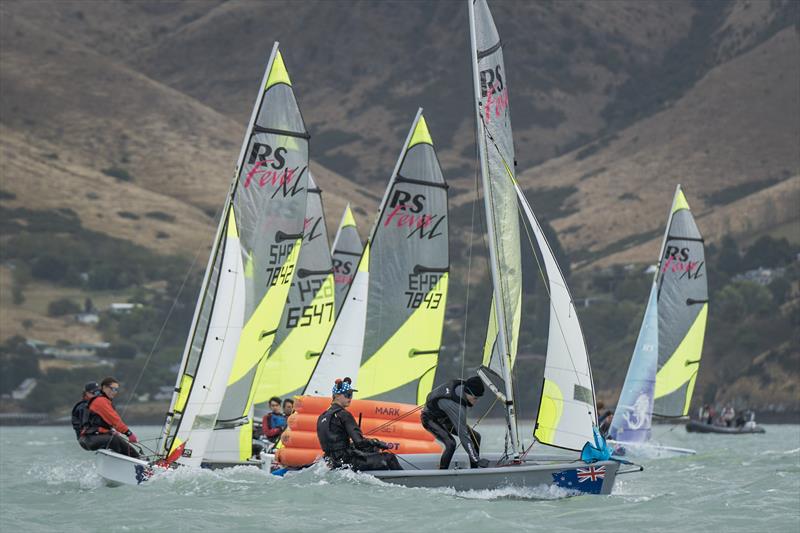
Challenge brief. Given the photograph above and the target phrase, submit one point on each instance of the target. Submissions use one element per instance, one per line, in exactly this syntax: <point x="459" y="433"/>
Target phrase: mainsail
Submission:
<point x="496" y="149"/>
<point x="309" y="313"/>
<point x="682" y="289"/>
<point x="347" y="249"/>
<point x="269" y="202"/>
<point x="391" y="322"/>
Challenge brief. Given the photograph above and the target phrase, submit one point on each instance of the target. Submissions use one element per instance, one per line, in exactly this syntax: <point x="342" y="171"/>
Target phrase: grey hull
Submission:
<point x="573" y="476"/>
<point x="694" y="426"/>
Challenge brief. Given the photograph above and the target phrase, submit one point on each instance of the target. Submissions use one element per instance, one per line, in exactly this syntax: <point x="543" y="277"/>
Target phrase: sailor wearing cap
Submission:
<point x="341" y="438"/>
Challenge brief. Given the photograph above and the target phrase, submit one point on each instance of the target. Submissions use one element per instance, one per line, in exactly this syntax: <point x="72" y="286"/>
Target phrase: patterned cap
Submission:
<point x="343" y="385"/>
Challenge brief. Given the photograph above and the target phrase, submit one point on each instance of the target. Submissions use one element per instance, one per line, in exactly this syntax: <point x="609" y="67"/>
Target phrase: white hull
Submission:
<point x="647" y="450"/>
<point x="117" y="469"/>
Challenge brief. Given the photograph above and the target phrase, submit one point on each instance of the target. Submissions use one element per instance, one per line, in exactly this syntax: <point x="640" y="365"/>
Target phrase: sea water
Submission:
<point x="734" y="483"/>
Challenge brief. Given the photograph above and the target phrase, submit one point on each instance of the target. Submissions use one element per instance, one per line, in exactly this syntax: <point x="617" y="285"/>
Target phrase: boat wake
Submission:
<point x="80" y="474"/>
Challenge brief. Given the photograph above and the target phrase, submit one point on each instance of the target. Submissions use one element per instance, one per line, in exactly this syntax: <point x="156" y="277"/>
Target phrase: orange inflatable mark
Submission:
<point x="297" y="456"/>
<point x="308" y="439"/>
<point x="366" y="408"/>
<point x="388" y="430"/>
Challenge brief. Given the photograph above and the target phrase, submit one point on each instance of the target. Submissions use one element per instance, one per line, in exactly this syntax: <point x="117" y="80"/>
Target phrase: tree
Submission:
<point x="63" y="306"/>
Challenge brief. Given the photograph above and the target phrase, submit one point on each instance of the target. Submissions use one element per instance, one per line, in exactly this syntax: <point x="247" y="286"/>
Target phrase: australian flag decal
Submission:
<point x="589" y="479"/>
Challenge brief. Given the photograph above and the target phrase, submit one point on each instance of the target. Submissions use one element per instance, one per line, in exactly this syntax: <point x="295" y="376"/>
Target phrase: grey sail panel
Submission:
<point x="309" y="313"/>
<point x="269" y="202"/>
<point x="682" y="311"/>
<point x="408" y="273"/>
<point x="347" y="249"/>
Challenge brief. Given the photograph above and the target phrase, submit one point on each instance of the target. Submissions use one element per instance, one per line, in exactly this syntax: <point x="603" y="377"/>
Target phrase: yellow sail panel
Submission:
<point x="175" y="443"/>
<point x="259" y="331"/>
<point x="233" y="230"/>
<point x="363" y="263"/>
<point x="289" y="365"/>
<point x="278" y="72"/>
<point x="412" y="351"/>
<point x="348" y="219"/>
<point x="679" y="202"/>
<point x="183" y="394"/>
<point x="550" y="409"/>
<point x="681" y="368"/>
<point x="421" y="134"/>
<point x="246" y="441"/>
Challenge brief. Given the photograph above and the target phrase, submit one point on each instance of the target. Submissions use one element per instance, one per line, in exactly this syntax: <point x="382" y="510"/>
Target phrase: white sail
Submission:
<point x="567" y="407"/>
<point x="346" y="251"/>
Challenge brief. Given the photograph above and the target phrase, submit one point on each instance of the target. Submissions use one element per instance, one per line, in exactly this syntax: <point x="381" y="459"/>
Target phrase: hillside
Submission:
<point x="120" y="123"/>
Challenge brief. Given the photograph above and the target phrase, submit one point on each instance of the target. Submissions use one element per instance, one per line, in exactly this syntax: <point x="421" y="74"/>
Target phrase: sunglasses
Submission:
<point x="114" y="389"/>
<point x="348" y="394"/>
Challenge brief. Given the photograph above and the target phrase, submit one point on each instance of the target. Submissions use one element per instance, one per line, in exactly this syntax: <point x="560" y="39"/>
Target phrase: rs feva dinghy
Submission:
<point x="246" y="285"/>
<point x="666" y="358"/>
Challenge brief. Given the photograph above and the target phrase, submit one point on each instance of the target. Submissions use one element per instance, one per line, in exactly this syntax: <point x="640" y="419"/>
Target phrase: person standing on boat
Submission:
<point x="445" y="414"/>
<point x="79" y="410"/>
<point x="102" y="425"/>
<point x="341" y="438"/>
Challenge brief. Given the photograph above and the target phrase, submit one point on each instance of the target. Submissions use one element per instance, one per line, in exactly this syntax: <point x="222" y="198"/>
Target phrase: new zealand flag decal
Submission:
<point x="588" y="479"/>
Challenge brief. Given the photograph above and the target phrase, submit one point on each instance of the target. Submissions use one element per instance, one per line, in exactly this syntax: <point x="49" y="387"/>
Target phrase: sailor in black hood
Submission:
<point x="445" y="414"/>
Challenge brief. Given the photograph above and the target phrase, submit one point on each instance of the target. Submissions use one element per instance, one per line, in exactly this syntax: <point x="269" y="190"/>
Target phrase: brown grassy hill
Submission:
<point x="732" y="141"/>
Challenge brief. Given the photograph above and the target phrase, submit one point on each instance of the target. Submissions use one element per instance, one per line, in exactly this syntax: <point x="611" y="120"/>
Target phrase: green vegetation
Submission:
<point x="63" y="306"/>
<point x="728" y="195"/>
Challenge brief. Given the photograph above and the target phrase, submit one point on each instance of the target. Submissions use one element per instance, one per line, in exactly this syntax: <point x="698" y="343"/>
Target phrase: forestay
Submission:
<point x="347" y="249"/>
<point x="391" y="322"/>
<point x="269" y="204"/>
<point x="682" y="311"/>
<point x="309" y="313"/>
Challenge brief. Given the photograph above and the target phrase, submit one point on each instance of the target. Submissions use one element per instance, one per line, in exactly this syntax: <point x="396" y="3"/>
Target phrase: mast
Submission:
<point x="498" y="299"/>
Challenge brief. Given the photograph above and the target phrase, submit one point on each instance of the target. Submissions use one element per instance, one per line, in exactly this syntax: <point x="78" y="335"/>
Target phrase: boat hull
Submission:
<point x="694" y="426"/>
<point x="117" y="469"/>
<point x="647" y="450"/>
<point x="576" y="477"/>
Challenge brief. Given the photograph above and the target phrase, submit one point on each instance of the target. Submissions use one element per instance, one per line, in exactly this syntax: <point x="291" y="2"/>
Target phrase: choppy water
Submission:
<point x="735" y="483"/>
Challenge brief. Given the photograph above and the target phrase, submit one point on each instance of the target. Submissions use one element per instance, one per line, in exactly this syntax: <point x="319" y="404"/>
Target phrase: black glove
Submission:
<point x="483" y="463"/>
<point x="380" y="444"/>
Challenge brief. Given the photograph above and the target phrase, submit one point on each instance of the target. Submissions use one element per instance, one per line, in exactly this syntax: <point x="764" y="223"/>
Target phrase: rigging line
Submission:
<point x="161" y="331"/>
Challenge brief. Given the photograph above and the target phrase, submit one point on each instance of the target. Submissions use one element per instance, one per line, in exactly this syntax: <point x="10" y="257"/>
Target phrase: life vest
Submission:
<point x="78" y="413"/>
<point x="275" y="420"/>
<point x="444" y="392"/>
<point x="91" y="422"/>
<point x="332" y="435"/>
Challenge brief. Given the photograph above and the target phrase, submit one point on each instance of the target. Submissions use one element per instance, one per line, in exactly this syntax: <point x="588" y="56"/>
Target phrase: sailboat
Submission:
<point x="566" y="417"/>
<point x="346" y="251"/>
<point x="666" y="357"/>
<point x="242" y="296"/>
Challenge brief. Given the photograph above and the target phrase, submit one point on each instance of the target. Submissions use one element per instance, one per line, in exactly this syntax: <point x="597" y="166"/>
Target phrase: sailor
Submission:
<point x="90" y="390"/>
<point x="274" y="422"/>
<point x="102" y="426"/>
<point x="341" y="438"/>
<point x="445" y="414"/>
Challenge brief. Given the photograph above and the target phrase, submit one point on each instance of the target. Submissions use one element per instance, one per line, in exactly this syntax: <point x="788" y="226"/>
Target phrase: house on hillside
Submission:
<point x="123" y="308"/>
<point x="761" y="275"/>
<point x="76" y="352"/>
<point x="87" y="318"/>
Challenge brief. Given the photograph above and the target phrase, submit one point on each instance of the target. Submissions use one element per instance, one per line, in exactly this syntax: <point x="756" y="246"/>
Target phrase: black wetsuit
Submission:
<point x="344" y="444"/>
<point x="445" y="414"/>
